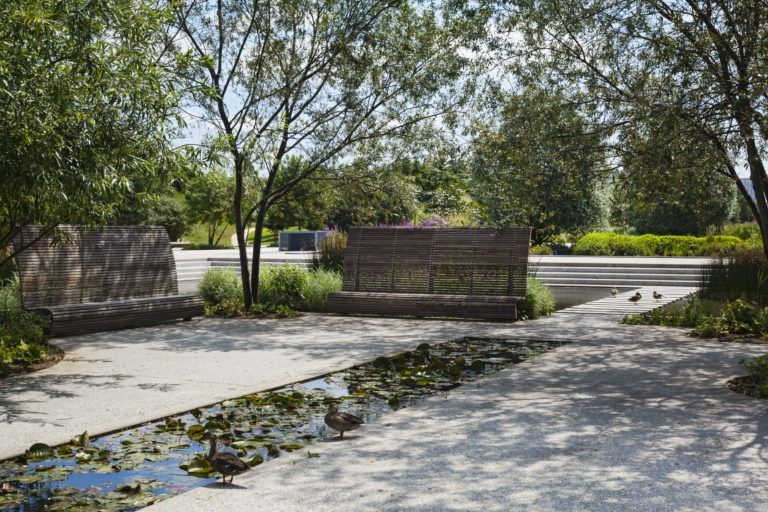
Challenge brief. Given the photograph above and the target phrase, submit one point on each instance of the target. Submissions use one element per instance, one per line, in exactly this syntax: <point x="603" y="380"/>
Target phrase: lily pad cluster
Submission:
<point x="136" y="467"/>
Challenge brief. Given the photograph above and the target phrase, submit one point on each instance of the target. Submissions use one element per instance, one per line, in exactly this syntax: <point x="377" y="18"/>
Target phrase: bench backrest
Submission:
<point x="108" y="263"/>
<point x="453" y="261"/>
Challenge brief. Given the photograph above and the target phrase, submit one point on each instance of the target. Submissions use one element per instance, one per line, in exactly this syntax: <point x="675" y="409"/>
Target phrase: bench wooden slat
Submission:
<point x="471" y="272"/>
<point x="106" y="278"/>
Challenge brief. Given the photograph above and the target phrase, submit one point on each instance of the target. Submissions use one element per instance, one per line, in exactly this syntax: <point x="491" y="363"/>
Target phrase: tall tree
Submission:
<point x="538" y="165"/>
<point x="668" y="183"/>
<point x="313" y="78"/>
<point x="209" y="202"/>
<point x="706" y="61"/>
<point x="84" y="107"/>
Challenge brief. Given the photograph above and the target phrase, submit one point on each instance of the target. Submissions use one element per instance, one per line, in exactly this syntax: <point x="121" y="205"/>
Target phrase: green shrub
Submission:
<point x="10" y="296"/>
<point x="538" y="302"/>
<point x="219" y="285"/>
<point x="746" y="231"/>
<point x="330" y="255"/>
<point x="317" y="286"/>
<point x="613" y="244"/>
<point x="758" y="370"/>
<point x="282" y="286"/>
<point x="541" y="250"/>
<point x="22" y="333"/>
<point x="709" y="318"/>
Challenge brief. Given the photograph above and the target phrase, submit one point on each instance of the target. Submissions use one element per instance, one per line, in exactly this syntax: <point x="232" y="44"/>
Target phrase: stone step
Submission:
<point x="619" y="282"/>
<point x="607" y="275"/>
<point x="616" y="270"/>
<point x="621" y="306"/>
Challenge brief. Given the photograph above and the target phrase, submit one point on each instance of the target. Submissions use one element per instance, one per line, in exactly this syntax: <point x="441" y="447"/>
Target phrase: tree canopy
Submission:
<point x="84" y="110"/>
<point x="314" y="79"/>
<point x="633" y="61"/>
<point x="539" y="166"/>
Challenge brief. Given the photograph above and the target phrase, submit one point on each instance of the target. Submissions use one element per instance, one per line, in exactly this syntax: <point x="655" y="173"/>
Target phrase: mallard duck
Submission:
<point x="341" y="421"/>
<point x="636" y="297"/>
<point x="614" y="291"/>
<point x="228" y="464"/>
<point x="657" y="295"/>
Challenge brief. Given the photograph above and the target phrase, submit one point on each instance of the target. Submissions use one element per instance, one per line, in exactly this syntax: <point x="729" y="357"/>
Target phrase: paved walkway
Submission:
<point x="627" y="418"/>
<point x="623" y="418"/>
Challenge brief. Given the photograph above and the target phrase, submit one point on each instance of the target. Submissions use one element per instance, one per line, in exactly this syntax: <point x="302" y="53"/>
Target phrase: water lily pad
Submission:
<point x="133" y="488"/>
<point x="39" y="451"/>
<point x="199" y="466"/>
<point x="196" y="432"/>
<point x="255" y="460"/>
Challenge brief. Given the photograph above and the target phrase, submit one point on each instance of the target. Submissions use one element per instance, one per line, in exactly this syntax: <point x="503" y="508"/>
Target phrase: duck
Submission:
<point x="636" y="297"/>
<point x="228" y="464"/>
<point x="657" y="295"/>
<point x="341" y="421"/>
<point x="614" y="291"/>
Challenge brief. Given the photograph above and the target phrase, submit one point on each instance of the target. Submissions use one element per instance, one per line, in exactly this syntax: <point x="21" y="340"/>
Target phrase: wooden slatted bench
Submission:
<point x="107" y="278"/>
<point x="450" y="272"/>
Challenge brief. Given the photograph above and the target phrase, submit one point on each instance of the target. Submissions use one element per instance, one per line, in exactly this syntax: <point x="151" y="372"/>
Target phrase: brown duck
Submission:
<point x="341" y="421"/>
<point x="636" y="297"/>
<point x="657" y="295"/>
<point x="225" y="463"/>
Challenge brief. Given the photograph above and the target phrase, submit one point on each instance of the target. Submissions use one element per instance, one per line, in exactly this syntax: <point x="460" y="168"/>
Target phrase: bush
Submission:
<point x="742" y="274"/>
<point x="757" y="368"/>
<point x="541" y="250"/>
<point x="745" y="231"/>
<point x="710" y="319"/>
<point x="22" y="333"/>
<point x="538" y="301"/>
<point x="220" y="285"/>
<point x="282" y="286"/>
<point x="612" y="244"/>
<point x="10" y="296"/>
<point x="317" y="286"/>
<point x="330" y="255"/>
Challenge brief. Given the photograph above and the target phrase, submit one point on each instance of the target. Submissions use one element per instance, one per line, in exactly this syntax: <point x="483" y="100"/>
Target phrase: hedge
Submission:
<point x="612" y="244"/>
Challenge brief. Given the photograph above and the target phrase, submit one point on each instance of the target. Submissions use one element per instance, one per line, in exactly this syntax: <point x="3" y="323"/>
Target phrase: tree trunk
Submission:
<point x="240" y="231"/>
<point x="256" y="256"/>
<point x="757" y="177"/>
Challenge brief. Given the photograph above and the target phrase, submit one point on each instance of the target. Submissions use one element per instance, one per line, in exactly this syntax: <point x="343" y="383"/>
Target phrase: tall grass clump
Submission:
<point x="10" y="296"/>
<point x="318" y="285"/>
<point x="330" y="254"/>
<point x="282" y="286"/>
<point x="538" y="302"/>
<point x="742" y="274"/>
<point x="222" y="291"/>
<point x="22" y="333"/>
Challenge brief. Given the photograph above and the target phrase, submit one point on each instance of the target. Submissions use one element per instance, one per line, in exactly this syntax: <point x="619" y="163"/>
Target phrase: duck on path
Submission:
<point x="228" y="464"/>
<point x="614" y="291"/>
<point x="657" y="295"/>
<point x="635" y="298"/>
<point x="341" y="421"/>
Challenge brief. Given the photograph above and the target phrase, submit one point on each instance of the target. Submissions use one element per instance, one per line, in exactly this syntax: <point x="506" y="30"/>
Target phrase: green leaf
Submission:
<point x="39" y="451"/>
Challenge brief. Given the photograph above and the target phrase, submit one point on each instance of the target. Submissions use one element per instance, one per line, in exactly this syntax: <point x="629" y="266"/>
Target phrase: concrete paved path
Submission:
<point x="627" y="418"/>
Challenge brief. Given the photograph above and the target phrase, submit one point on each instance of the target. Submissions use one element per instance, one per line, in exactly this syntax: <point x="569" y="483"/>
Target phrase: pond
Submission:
<point x="136" y="467"/>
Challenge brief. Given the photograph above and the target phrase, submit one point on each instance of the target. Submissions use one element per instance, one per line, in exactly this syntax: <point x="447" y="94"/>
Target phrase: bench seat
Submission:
<point x="106" y="278"/>
<point x="69" y="319"/>
<point x="487" y="307"/>
<point x="439" y="272"/>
